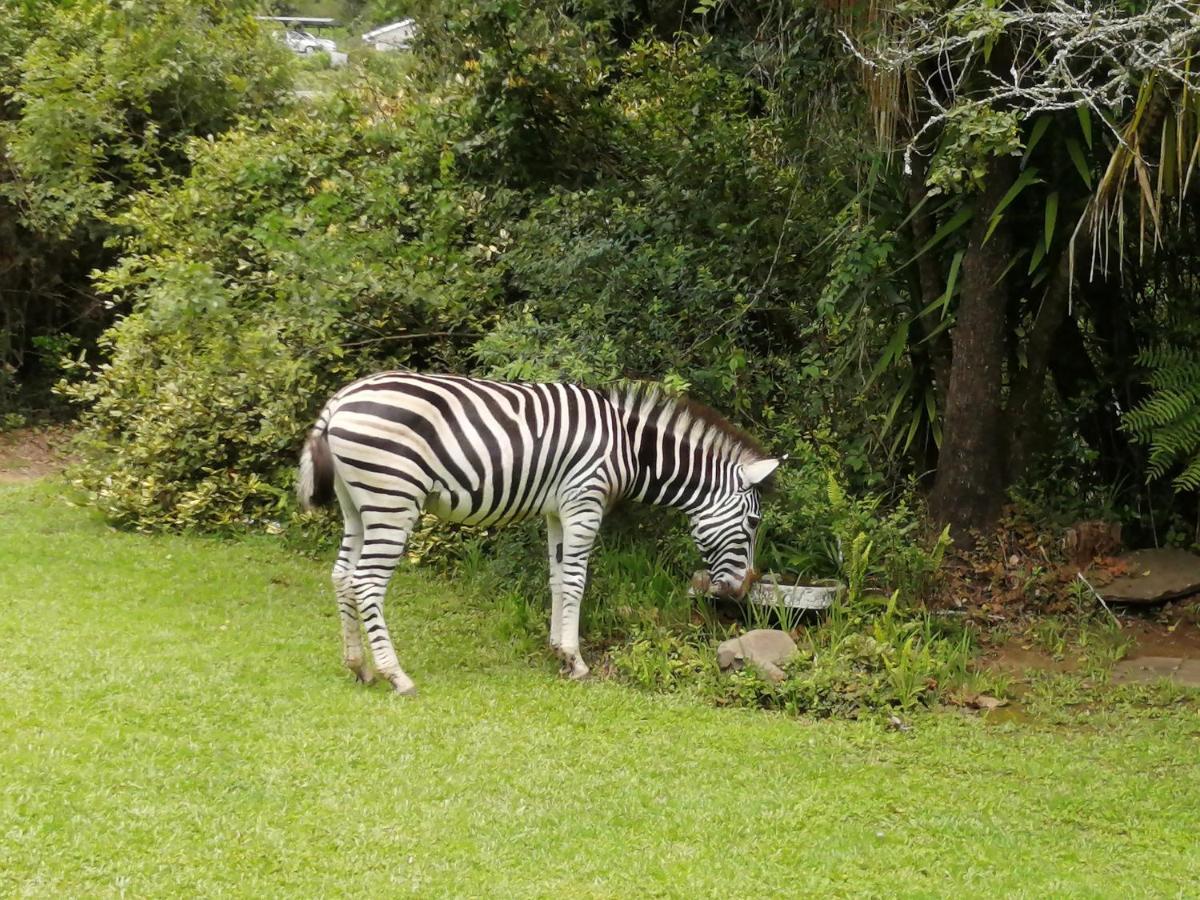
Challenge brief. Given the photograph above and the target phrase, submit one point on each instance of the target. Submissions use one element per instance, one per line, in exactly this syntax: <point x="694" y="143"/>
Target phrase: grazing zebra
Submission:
<point x="484" y="452"/>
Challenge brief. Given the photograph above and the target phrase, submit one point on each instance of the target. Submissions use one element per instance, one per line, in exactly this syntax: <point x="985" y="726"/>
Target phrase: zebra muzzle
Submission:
<point x="703" y="584"/>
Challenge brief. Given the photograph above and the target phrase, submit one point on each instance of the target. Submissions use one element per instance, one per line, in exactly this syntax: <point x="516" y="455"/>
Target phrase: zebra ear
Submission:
<point x="758" y="471"/>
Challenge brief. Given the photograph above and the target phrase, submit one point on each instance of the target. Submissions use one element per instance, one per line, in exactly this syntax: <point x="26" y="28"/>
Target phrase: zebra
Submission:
<point x="395" y="444"/>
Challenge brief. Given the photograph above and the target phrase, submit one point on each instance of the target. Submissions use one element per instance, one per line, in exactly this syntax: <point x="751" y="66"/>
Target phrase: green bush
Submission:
<point x="290" y="260"/>
<point x="360" y="233"/>
<point x="320" y="61"/>
<point x="97" y="102"/>
<point x="814" y="528"/>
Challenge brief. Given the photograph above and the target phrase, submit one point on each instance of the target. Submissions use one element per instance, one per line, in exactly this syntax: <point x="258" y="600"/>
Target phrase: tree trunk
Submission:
<point x="1026" y="398"/>
<point x="969" y="489"/>
<point x="930" y="357"/>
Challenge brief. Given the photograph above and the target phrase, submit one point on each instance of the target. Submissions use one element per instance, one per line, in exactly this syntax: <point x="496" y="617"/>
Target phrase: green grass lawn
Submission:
<point x="174" y="720"/>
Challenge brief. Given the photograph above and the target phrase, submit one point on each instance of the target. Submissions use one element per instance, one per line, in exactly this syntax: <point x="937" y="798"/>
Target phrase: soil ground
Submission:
<point x="1164" y="642"/>
<point x="27" y="454"/>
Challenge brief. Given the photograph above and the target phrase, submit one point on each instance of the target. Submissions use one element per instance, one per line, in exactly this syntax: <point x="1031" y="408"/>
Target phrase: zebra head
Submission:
<point x="724" y="529"/>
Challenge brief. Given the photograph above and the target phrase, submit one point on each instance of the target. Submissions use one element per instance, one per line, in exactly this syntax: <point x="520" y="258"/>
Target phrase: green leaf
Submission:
<point x="943" y="302"/>
<point x="1039" y="251"/>
<point x="1035" y="135"/>
<point x="937" y="329"/>
<point x="901" y="393"/>
<point x="912" y="428"/>
<point x="1026" y="178"/>
<point x="950" y="226"/>
<point x="1081" y="165"/>
<point x="1085" y="123"/>
<point x="893" y="350"/>
<point x="1051" y="216"/>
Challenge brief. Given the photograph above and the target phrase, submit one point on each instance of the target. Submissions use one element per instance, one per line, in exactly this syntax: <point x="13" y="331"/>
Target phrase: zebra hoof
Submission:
<point x="575" y="668"/>
<point x="362" y="672"/>
<point x="403" y="686"/>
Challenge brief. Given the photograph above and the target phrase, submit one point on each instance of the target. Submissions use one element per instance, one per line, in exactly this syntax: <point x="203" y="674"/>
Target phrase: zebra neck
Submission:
<point x="669" y="469"/>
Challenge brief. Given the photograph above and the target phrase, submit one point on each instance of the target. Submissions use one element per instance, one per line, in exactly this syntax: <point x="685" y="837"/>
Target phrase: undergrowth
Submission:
<point x="865" y="656"/>
<point x="872" y="652"/>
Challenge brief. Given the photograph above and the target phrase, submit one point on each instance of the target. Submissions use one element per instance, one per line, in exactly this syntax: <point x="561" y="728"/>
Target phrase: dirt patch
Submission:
<point x="1181" y="639"/>
<point x="1018" y="656"/>
<point x="27" y="454"/>
<point x="1166" y="647"/>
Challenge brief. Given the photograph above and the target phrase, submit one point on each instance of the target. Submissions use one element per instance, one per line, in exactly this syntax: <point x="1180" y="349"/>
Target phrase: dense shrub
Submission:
<point x="290" y="260"/>
<point x="97" y="102"/>
<point x="358" y="234"/>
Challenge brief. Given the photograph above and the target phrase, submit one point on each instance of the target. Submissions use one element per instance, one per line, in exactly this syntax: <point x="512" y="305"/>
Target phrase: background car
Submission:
<point x="300" y="41"/>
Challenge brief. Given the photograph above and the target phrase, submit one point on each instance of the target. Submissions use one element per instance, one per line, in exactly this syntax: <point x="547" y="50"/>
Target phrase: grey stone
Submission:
<point x="1155" y="576"/>
<point x="1145" y="669"/>
<point x="1188" y="673"/>
<point x="765" y="649"/>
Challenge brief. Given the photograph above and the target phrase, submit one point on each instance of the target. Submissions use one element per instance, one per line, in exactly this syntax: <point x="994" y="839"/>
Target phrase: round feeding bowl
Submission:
<point x="769" y="591"/>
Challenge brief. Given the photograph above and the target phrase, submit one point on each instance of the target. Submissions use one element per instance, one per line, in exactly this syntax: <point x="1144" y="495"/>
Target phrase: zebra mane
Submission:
<point x="715" y="432"/>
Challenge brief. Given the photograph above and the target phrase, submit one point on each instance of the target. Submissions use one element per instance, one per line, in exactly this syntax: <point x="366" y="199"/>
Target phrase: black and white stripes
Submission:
<point x="483" y="452"/>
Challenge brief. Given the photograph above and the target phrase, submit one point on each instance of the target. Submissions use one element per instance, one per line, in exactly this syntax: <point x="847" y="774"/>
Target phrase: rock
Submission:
<point x="1155" y="576"/>
<point x="1148" y="669"/>
<point x="1145" y="669"/>
<point x="764" y="648"/>
<point x="987" y="702"/>
<point x="1188" y="673"/>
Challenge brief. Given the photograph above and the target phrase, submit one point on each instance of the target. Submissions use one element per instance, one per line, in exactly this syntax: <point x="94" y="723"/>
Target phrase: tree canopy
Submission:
<point x="943" y="250"/>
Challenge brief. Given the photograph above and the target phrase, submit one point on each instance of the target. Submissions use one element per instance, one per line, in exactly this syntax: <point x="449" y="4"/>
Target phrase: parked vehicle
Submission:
<point x="300" y="41"/>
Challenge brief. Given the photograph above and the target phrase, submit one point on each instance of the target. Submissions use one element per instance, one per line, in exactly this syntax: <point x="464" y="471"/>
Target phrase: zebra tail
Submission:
<point x="314" y="487"/>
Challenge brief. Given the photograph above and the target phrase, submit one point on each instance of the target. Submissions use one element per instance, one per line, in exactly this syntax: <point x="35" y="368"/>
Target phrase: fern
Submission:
<point x="1168" y="421"/>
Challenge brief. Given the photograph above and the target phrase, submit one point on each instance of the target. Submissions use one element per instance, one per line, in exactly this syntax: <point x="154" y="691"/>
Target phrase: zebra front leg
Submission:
<point x="383" y="548"/>
<point x="554" y="535"/>
<point x="579" y="535"/>
<point x="353" y="655"/>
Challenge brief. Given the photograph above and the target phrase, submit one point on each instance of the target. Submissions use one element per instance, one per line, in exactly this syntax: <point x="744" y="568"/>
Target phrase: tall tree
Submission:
<point x="1037" y="121"/>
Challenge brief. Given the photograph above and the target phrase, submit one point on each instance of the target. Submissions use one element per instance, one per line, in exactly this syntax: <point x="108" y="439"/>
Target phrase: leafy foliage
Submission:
<point x="1168" y="420"/>
<point x="289" y="261"/>
<point x="359" y="234"/>
<point x="98" y="101"/>
<point x="552" y="191"/>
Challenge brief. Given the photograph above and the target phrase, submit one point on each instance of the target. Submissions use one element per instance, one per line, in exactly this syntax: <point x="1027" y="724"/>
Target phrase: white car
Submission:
<point x="300" y="41"/>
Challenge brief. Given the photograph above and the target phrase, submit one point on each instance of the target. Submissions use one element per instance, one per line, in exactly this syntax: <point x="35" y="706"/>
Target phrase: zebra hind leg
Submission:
<point x="353" y="653"/>
<point x="554" y="536"/>
<point x="384" y="542"/>
<point x="579" y="534"/>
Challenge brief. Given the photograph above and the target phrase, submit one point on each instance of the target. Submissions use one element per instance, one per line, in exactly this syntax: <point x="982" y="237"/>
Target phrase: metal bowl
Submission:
<point x="768" y="591"/>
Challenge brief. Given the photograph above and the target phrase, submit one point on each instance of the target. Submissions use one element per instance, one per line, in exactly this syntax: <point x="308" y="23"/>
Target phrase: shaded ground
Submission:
<point x="1142" y="647"/>
<point x="27" y="454"/>
<point x="174" y="721"/>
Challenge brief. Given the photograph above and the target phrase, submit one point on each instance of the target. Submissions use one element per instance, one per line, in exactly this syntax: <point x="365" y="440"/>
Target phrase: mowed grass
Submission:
<point x="174" y="721"/>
